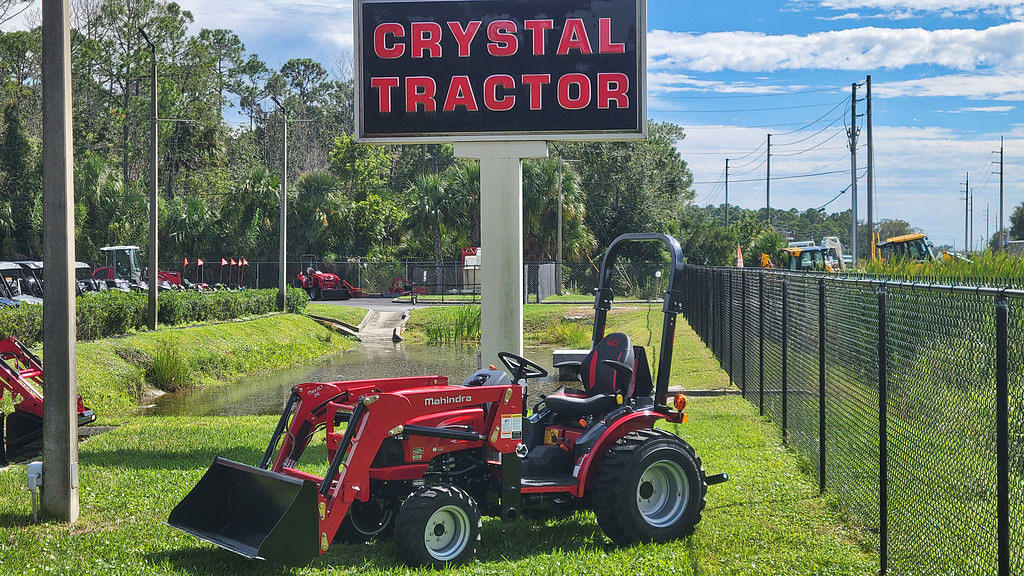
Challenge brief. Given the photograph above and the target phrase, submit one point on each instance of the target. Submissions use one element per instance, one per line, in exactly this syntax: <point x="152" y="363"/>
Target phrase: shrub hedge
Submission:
<point x="113" y="313"/>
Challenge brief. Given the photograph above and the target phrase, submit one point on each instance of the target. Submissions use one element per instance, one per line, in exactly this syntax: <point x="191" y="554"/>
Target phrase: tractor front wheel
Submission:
<point x="437" y="525"/>
<point x="649" y="488"/>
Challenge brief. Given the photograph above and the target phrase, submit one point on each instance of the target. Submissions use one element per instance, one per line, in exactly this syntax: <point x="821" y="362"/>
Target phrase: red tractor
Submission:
<point x="318" y="284"/>
<point x="123" y="271"/>
<point x="21" y="376"/>
<point x="421" y="461"/>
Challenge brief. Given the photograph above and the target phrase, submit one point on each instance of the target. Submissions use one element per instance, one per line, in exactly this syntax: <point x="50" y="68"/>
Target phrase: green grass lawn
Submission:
<point x="767" y="520"/>
<point x="352" y="315"/>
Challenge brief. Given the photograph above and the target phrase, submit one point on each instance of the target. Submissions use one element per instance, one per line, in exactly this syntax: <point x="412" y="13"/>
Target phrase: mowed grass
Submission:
<point x="348" y="314"/>
<point x="767" y="520"/>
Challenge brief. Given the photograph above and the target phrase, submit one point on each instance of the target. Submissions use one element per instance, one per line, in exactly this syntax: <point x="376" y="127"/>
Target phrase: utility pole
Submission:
<point x="986" y="228"/>
<point x="853" y="169"/>
<point x="967" y="212"/>
<point x="1001" y="243"/>
<point x="972" y="219"/>
<point x="768" y="181"/>
<point x="558" y="267"/>
<point x="154" y="168"/>
<point x="726" y="192"/>
<point x="282" y="276"/>
<point x="871" y="172"/>
<point x="60" y="411"/>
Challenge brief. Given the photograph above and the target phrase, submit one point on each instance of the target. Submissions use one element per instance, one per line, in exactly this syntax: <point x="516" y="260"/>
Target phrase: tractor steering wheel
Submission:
<point x="520" y="368"/>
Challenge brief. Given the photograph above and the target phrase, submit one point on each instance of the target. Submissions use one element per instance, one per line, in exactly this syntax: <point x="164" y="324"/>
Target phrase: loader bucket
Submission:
<point x="252" y="512"/>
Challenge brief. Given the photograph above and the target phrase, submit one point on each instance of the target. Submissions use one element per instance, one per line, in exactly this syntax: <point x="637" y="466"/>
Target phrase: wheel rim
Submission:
<point x="447" y="533"/>
<point x="663" y="493"/>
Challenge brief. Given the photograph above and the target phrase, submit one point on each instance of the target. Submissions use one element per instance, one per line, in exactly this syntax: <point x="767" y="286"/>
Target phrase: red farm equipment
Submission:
<point x="322" y="285"/>
<point x="420" y="460"/>
<point x="21" y="376"/>
<point x="123" y="271"/>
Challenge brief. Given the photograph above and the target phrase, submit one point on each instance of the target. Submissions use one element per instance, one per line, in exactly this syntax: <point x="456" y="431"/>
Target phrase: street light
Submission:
<point x="154" y="225"/>
<point x="283" y="255"/>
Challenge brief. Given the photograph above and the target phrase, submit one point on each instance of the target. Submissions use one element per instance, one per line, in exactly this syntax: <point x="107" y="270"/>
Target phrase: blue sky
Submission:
<point x="948" y="81"/>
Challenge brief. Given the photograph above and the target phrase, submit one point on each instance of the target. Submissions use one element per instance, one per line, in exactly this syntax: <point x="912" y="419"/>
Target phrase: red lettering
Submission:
<point x="606" y="44"/>
<point x="420" y="90"/>
<point x="491" y="99"/>
<point x="426" y="37"/>
<point x="384" y="86"/>
<point x="612" y="86"/>
<point x="380" y="45"/>
<point x="538" y="27"/>
<point x="574" y="35"/>
<point x="503" y="39"/>
<point x="464" y="36"/>
<point x="460" y="93"/>
<point x="582" y="99"/>
<point x="536" y="83"/>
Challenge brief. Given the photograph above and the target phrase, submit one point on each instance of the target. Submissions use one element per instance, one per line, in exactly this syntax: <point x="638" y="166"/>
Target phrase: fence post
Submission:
<point x="760" y="345"/>
<point x="883" y="436"/>
<point x="743" y="333"/>
<point x="821" y="385"/>
<point x="1003" y="434"/>
<point x="785" y="361"/>
<point x="732" y="302"/>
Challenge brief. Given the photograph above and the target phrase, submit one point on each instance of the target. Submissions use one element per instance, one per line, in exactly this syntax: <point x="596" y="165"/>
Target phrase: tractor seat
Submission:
<point x="606" y="372"/>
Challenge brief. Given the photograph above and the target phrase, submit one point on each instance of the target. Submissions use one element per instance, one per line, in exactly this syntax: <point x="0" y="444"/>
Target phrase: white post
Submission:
<point x="501" y="241"/>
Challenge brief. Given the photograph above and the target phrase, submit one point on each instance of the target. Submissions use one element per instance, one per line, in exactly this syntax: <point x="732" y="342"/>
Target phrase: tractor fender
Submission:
<point x="619" y="428"/>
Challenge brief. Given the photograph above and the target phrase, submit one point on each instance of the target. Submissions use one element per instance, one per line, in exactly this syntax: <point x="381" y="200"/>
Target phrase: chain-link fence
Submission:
<point x="907" y="400"/>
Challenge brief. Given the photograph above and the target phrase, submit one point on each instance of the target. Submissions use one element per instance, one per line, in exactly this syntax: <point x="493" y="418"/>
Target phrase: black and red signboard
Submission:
<point x="437" y="70"/>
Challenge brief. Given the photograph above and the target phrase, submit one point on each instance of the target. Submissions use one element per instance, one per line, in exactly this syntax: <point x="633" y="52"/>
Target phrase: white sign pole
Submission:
<point x="501" y="239"/>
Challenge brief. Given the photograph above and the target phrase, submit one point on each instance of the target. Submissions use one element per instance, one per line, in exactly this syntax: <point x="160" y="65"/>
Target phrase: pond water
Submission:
<point x="267" y="393"/>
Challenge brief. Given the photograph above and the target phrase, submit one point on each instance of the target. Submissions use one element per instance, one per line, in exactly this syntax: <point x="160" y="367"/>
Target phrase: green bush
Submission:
<point x="114" y="313"/>
<point x="455" y="325"/>
<point x="169" y="371"/>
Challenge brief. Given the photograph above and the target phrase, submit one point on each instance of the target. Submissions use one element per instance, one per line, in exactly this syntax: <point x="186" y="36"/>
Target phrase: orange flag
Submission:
<point x="233" y="262"/>
<point x="245" y="262"/>
<point x="739" y="257"/>
<point x="199" y="262"/>
<point x="186" y="262"/>
<point x="223" y="262"/>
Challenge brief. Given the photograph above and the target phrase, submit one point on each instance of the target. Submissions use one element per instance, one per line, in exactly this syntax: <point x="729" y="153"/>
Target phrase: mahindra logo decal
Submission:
<point x="445" y="400"/>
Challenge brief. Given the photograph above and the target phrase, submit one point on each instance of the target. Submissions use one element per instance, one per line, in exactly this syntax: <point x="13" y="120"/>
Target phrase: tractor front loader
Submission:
<point x="21" y="376"/>
<point x="422" y="461"/>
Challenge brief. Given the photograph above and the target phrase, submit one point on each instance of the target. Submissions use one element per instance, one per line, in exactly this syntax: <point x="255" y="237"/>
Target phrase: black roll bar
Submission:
<point x="673" y="301"/>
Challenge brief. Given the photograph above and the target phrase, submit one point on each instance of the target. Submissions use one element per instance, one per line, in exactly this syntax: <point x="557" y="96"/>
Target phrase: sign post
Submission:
<point x="499" y="79"/>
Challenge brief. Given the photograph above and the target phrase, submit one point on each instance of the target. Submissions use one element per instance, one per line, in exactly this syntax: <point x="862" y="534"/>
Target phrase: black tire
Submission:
<point x="448" y="513"/>
<point x="366" y="521"/>
<point x="649" y="487"/>
<point x="314" y="294"/>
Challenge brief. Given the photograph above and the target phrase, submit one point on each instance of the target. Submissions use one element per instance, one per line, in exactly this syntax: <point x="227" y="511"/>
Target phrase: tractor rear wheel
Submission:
<point x="649" y="487"/>
<point x="437" y="525"/>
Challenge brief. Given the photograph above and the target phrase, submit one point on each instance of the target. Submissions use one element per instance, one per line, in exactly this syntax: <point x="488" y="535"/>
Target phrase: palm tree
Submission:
<point x="541" y="181"/>
<point x="432" y="208"/>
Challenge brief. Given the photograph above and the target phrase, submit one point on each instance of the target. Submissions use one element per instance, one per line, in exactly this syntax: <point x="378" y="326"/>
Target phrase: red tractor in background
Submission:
<point x="123" y="270"/>
<point x="420" y="461"/>
<point x="322" y="285"/>
<point x="21" y="377"/>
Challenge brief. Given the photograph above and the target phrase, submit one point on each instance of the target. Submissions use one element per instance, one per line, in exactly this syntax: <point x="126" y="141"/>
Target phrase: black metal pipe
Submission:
<point x="743" y="334"/>
<point x="760" y="344"/>
<point x="732" y="302"/>
<point x="821" y="386"/>
<point x="281" y="424"/>
<point x="785" y="361"/>
<point x="339" y="455"/>
<point x="1003" y="435"/>
<point x="883" y="436"/>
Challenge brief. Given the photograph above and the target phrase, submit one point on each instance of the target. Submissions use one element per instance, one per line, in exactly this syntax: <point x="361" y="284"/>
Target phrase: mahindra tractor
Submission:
<point x="318" y="284"/>
<point x="122" y="271"/>
<point x="420" y="460"/>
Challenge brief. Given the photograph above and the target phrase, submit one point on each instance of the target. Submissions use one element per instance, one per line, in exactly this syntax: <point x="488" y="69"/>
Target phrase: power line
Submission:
<point x="727" y="96"/>
<point x="816" y="146"/>
<point x="816" y="120"/>
<point x="735" y="110"/>
<point x="773" y="178"/>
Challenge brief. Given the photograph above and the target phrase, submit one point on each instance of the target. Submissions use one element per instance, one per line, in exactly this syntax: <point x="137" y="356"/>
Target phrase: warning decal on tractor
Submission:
<point x="512" y="426"/>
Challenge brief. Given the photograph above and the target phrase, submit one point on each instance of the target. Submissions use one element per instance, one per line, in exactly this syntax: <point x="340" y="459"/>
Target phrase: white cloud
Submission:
<point x="922" y="5"/>
<point x="1008" y="87"/>
<point x="853" y="49"/>
<point x="988" y="109"/>
<point x="671" y="82"/>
